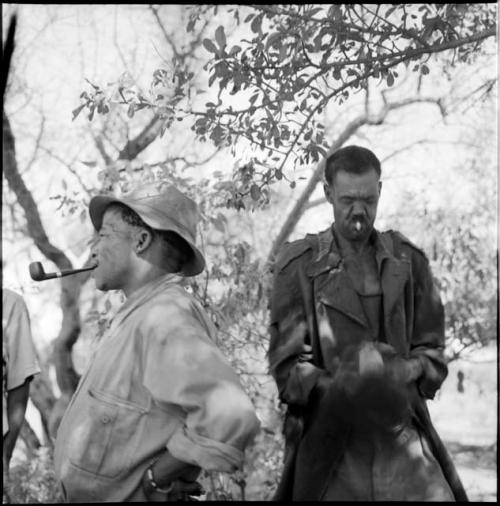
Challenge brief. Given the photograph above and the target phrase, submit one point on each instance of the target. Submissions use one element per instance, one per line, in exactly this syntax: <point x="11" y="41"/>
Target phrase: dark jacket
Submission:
<point x="314" y="302"/>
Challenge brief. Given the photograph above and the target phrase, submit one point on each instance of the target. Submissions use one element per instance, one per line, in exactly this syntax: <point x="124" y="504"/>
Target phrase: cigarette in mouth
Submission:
<point x="358" y="226"/>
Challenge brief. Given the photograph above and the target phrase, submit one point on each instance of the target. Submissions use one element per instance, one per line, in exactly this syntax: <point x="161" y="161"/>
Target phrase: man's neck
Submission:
<point x="143" y="278"/>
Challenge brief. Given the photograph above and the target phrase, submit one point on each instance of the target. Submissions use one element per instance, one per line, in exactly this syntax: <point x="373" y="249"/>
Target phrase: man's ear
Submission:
<point x="142" y="239"/>
<point x="379" y="188"/>
<point x="328" y="189"/>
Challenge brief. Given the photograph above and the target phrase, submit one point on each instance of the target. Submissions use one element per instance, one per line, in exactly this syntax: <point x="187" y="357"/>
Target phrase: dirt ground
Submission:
<point x="467" y="422"/>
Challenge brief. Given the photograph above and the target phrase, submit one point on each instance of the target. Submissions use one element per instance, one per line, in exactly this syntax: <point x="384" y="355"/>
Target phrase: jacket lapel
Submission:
<point x="333" y="286"/>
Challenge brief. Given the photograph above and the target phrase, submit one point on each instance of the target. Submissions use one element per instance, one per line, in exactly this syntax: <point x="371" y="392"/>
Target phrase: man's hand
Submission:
<point x="177" y="490"/>
<point x="170" y="479"/>
<point x="399" y="370"/>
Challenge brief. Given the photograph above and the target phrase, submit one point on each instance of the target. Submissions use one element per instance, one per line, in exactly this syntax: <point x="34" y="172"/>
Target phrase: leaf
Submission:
<point x="210" y="46"/>
<point x="321" y="150"/>
<point x="234" y="50"/>
<point x="89" y="164"/>
<point x="220" y="37"/>
<point x="218" y="223"/>
<point x="272" y="39"/>
<point x="256" y="24"/>
<point x="77" y="111"/>
<point x="190" y="25"/>
<point x="315" y="11"/>
<point x="255" y="192"/>
<point x="131" y="110"/>
<point x="424" y="69"/>
<point x="390" y="79"/>
<point x="164" y="126"/>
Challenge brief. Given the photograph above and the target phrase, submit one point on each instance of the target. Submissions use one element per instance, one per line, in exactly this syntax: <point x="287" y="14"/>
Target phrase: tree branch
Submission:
<point x="135" y="146"/>
<point x="301" y="204"/>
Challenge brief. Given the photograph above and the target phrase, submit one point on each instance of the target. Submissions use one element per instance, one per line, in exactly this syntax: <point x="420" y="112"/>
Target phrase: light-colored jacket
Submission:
<point x="19" y="358"/>
<point x="156" y="380"/>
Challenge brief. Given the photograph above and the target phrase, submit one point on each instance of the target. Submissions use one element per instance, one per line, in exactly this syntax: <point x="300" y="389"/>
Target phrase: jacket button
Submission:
<point x="105" y="419"/>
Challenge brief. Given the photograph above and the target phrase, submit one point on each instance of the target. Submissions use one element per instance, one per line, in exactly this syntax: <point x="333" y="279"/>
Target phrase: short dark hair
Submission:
<point x="353" y="159"/>
<point x="182" y="250"/>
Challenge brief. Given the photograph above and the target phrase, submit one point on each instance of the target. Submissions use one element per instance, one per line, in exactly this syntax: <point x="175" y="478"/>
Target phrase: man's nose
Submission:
<point x="358" y="209"/>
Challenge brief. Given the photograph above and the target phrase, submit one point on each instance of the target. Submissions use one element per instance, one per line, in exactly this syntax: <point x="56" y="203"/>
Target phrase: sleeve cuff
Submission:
<point x="415" y="368"/>
<point x="16" y="380"/>
<point x="206" y="453"/>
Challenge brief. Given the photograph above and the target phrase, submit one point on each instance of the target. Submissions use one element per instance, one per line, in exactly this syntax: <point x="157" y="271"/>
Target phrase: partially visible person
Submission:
<point x="158" y="401"/>
<point x="20" y="364"/>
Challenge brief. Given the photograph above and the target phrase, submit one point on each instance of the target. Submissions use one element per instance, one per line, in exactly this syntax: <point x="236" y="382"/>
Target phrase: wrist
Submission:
<point x="153" y="484"/>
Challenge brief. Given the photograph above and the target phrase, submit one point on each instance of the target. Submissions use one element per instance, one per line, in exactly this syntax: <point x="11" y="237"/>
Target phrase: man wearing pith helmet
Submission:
<point x="158" y="402"/>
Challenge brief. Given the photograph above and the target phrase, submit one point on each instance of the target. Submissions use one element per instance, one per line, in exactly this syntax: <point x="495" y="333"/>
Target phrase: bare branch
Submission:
<point x="135" y="146"/>
<point x="301" y="203"/>
<point x="167" y="37"/>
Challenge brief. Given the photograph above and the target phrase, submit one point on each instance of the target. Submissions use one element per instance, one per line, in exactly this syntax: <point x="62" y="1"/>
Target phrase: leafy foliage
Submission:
<point x="34" y="481"/>
<point x="290" y="63"/>
<point x="299" y="58"/>
<point x="465" y="270"/>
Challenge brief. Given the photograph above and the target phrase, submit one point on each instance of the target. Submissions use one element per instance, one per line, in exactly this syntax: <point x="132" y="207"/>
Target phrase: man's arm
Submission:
<point x="17" y="400"/>
<point x="290" y="353"/>
<point x="183" y="367"/>
<point x="428" y="339"/>
<point x="169" y="478"/>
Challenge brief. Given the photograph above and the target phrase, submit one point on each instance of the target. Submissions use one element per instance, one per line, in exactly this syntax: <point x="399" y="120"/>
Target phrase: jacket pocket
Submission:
<point x="106" y="436"/>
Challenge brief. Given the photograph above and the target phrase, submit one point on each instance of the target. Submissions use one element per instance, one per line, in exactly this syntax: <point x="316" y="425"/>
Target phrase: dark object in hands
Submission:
<point x="177" y="490"/>
<point x="181" y="490"/>
<point x="371" y="395"/>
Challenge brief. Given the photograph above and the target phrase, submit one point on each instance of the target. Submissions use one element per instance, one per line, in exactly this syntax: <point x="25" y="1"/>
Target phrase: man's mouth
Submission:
<point x="357" y="225"/>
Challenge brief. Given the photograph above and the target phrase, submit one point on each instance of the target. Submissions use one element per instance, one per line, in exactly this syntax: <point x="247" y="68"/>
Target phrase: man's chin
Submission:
<point x="353" y="235"/>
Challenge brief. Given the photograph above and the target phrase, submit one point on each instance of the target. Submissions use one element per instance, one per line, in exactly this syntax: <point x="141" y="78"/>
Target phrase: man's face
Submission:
<point x="113" y="252"/>
<point x="355" y="199"/>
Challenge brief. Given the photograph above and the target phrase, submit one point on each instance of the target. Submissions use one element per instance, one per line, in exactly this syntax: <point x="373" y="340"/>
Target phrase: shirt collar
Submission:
<point x="143" y="294"/>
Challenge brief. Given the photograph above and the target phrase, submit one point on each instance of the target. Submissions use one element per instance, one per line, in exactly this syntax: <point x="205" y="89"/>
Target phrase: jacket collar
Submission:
<point x="335" y="288"/>
<point x="328" y="256"/>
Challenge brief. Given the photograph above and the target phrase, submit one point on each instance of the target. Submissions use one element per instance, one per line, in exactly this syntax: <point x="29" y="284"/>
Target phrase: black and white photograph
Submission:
<point x="250" y="252"/>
